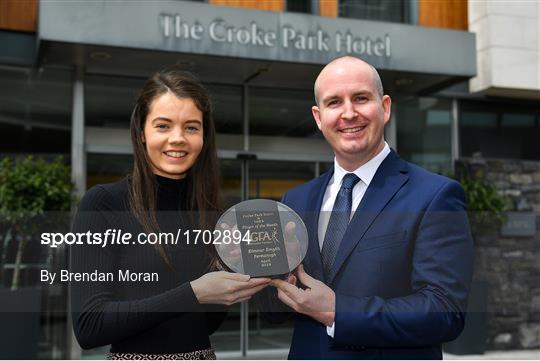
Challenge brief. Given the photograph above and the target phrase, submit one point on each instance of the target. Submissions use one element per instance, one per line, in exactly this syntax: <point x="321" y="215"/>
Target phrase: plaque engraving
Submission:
<point x="273" y="238"/>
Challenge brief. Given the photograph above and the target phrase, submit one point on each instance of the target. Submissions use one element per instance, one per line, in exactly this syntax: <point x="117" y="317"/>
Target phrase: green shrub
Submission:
<point x="29" y="187"/>
<point x="485" y="205"/>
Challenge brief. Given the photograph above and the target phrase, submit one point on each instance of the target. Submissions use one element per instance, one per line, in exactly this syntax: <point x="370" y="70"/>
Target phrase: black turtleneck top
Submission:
<point x="153" y="317"/>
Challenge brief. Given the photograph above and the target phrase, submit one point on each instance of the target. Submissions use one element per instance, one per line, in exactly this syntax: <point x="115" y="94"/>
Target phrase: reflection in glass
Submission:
<point x="499" y="130"/>
<point x="227" y="102"/>
<point x="279" y="112"/>
<point x="35" y="117"/>
<point x="35" y="111"/>
<point x="423" y="130"/>
<point x="383" y="10"/>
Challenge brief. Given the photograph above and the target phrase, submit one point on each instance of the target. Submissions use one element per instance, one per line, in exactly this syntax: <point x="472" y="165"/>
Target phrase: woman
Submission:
<point x="153" y="306"/>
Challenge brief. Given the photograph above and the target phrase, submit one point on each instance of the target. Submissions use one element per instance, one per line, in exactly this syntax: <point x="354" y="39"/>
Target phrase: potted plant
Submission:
<point x="486" y="207"/>
<point x="29" y="188"/>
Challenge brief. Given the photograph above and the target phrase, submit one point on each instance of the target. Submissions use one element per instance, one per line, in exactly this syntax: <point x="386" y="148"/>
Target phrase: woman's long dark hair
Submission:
<point x="202" y="178"/>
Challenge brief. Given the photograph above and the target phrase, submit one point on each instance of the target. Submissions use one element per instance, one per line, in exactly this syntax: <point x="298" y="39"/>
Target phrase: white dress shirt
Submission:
<point x="366" y="173"/>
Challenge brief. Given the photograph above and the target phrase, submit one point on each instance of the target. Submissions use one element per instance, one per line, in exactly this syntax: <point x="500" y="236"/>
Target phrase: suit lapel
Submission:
<point x="388" y="179"/>
<point x="313" y="260"/>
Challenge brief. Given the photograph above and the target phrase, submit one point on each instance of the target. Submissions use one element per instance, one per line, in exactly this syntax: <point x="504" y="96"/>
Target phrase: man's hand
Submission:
<point x="292" y="246"/>
<point x="317" y="301"/>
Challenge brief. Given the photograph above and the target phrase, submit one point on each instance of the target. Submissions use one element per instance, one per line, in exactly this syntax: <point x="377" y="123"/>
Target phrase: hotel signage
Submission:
<point x="204" y="29"/>
<point x="220" y="31"/>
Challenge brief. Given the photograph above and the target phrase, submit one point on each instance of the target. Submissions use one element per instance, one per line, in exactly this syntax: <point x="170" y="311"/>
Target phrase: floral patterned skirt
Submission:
<point x="207" y="354"/>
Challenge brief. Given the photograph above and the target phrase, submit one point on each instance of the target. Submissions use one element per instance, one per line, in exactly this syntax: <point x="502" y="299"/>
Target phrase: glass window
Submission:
<point x="479" y="119"/>
<point x="271" y="179"/>
<point x="35" y="110"/>
<point x="499" y="130"/>
<point x="279" y="112"/>
<point x="109" y="100"/>
<point x="509" y="120"/>
<point x="226" y="340"/>
<point x="299" y="6"/>
<point x="382" y="10"/>
<point x="231" y="182"/>
<point x="325" y="167"/>
<point x="35" y="117"/>
<point x="227" y="102"/>
<point x="107" y="168"/>
<point x="267" y="179"/>
<point x="423" y="133"/>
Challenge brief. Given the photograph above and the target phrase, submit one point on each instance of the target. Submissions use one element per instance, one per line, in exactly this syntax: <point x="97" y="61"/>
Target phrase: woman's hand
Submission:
<point x="230" y="253"/>
<point x="226" y="288"/>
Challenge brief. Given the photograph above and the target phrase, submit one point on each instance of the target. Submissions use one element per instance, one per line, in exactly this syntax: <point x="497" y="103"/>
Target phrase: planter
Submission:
<point x="473" y="338"/>
<point x="20" y="328"/>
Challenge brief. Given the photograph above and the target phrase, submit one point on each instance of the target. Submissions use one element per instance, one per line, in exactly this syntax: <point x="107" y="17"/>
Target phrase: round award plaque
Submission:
<point x="261" y="238"/>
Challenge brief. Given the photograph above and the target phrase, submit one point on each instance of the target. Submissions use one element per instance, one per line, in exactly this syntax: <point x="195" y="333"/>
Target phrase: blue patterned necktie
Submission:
<point x="339" y="220"/>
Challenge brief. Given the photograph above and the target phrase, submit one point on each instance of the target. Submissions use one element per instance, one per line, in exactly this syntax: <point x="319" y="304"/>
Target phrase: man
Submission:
<point x="389" y="264"/>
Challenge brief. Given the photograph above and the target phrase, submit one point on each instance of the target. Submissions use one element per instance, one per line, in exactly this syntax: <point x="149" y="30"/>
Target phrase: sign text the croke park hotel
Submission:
<point x="219" y="31"/>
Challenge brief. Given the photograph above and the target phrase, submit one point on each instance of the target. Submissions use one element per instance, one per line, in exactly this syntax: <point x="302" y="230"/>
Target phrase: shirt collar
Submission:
<point x="365" y="172"/>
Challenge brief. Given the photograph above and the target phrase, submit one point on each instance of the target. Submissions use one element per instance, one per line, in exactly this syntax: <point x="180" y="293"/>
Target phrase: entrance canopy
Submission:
<point x="234" y="46"/>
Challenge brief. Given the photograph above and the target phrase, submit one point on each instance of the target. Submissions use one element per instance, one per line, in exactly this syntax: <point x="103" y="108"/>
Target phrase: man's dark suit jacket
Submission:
<point x="402" y="272"/>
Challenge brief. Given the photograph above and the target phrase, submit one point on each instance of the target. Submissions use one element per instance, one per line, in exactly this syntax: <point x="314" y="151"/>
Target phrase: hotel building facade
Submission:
<point x="463" y="76"/>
